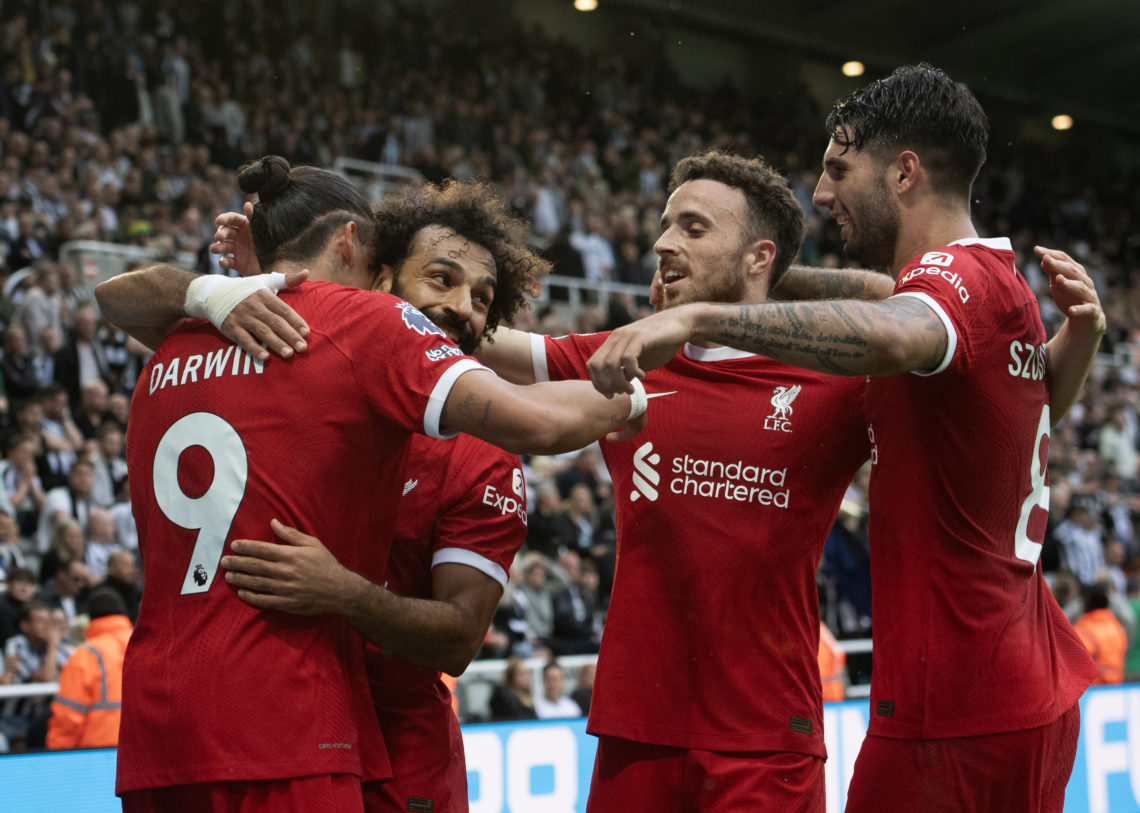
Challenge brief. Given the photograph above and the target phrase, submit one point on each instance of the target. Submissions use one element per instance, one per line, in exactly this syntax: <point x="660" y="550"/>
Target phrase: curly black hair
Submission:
<point x="474" y="210"/>
<point x="773" y="211"/>
<point x="920" y="108"/>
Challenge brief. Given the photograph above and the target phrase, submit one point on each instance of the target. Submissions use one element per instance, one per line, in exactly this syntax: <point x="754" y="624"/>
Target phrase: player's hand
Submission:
<point x="1072" y="290"/>
<point x="262" y="324"/>
<point x="634" y="349"/>
<point x="234" y="241"/>
<point x="299" y="575"/>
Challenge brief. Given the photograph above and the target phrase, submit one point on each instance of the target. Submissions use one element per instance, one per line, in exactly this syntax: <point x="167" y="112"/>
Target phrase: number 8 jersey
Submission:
<point x="217" y="445"/>
<point x="968" y="638"/>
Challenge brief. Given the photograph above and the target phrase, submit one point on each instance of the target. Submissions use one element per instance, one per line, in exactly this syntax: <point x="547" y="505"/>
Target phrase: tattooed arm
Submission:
<point x="841" y="337"/>
<point x="801" y="282"/>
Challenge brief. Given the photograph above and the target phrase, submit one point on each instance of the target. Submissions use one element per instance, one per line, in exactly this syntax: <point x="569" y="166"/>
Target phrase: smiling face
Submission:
<point x="853" y="187"/>
<point x="702" y="250"/>
<point x="451" y="280"/>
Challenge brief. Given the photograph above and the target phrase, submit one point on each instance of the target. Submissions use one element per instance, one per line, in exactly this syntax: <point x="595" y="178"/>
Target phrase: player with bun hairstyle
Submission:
<point x="220" y="442"/>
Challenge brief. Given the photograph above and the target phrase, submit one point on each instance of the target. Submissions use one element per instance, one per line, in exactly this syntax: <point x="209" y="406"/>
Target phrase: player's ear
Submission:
<point x="347" y="242"/>
<point x="759" y="257"/>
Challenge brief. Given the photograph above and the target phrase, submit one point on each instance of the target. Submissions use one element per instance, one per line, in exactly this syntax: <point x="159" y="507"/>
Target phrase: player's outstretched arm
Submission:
<point x="509" y="355"/>
<point x="545" y="418"/>
<point x="302" y="576"/>
<point x="150" y="303"/>
<point x="803" y="282"/>
<point x="842" y="337"/>
<point x="1069" y="355"/>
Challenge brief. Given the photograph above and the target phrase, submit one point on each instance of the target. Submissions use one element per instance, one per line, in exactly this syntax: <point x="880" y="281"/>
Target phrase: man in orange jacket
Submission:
<point x="85" y="712"/>
<point x="1103" y="635"/>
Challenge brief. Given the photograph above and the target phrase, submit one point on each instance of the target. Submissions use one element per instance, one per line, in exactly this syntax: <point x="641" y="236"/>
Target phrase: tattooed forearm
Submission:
<point x="806" y="283"/>
<point x="838" y="337"/>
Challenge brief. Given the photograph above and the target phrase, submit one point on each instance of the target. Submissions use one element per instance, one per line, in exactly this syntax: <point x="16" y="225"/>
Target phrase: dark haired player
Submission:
<point x="977" y="671"/>
<point x="218" y="696"/>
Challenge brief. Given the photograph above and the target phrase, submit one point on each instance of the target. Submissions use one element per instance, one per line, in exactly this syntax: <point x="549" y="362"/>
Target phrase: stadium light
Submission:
<point x="853" y="68"/>
<point x="585" y="5"/>
<point x="1062" y="122"/>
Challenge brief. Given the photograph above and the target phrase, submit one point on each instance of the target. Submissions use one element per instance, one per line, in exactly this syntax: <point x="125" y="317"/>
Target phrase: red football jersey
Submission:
<point x="968" y="638"/>
<point x="219" y="444"/>
<point x="464" y="502"/>
<point x="723" y="504"/>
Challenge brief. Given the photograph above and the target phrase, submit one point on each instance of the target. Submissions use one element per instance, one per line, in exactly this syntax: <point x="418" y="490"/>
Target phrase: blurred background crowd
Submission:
<point x="125" y="122"/>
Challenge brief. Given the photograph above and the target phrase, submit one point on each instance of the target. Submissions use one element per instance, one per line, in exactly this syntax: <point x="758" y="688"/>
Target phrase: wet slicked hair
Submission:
<point x="475" y="211"/>
<point x="919" y="108"/>
<point x="773" y="211"/>
<point x="299" y="208"/>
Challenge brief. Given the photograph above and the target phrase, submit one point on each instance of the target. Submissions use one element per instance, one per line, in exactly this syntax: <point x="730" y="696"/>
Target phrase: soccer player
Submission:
<point x="977" y="672"/>
<point x="225" y="704"/>
<point x="718" y="608"/>
<point x="461" y="519"/>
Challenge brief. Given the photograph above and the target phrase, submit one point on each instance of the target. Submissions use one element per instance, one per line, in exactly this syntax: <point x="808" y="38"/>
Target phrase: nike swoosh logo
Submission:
<point x="659" y="394"/>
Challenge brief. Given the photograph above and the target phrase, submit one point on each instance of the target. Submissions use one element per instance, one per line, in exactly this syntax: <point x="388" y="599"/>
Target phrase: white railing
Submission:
<point x="28" y="690"/>
<point x="473" y="688"/>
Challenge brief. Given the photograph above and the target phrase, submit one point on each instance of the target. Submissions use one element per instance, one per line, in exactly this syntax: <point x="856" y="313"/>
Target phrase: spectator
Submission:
<point x="85" y="711"/>
<point x="1117" y="446"/>
<point x="91" y="409"/>
<point x="68" y="588"/>
<point x="34" y="656"/>
<point x="70" y="501"/>
<point x="511" y="699"/>
<point x="573" y="629"/>
<point x="549" y="530"/>
<point x="19" y="373"/>
<point x="109" y="465"/>
<point x="82" y="360"/>
<point x="1082" y="541"/>
<point x="123" y="578"/>
<point x="534" y="597"/>
<point x="1102" y="634"/>
<point x="11" y="551"/>
<point x="42" y="308"/>
<point x="101" y="542"/>
<point x="553" y="703"/>
<point x="21" y="588"/>
<point x="21" y="483"/>
<point x="584" y="687"/>
<point x="67" y="542"/>
<point x="61" y="437"/>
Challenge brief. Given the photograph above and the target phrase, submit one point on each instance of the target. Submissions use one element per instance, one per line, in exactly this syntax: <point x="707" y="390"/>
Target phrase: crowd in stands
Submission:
<point x="125" y="123"/>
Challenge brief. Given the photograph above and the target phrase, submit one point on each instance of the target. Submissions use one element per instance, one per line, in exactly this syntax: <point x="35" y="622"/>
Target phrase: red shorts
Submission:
<point x="339" y="792"/>
<point x="429" y="767"/>
<point x="1019" y="770"/>
<point x="633" y="776"/>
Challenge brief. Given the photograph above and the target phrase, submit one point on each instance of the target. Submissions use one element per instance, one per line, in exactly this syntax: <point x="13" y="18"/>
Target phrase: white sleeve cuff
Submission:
<point x="438" y="396"/>
<point x="951" y="333"/>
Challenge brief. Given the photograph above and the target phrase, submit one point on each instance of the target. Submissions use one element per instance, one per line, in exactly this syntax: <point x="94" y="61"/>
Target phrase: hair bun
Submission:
<point x="268" y="177"/>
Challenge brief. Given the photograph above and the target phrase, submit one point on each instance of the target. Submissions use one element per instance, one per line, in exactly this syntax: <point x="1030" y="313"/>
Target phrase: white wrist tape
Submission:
<point x="638" y="400"/>
<point x="213" y="296"/>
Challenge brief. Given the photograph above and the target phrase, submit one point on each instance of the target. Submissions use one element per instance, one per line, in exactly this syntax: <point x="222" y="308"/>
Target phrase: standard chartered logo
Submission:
<point x="645" y="477"/>
<point x="734" y="480"/>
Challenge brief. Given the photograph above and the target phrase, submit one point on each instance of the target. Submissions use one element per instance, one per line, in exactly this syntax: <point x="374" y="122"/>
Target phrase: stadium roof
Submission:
<point x="1080" y="57"/>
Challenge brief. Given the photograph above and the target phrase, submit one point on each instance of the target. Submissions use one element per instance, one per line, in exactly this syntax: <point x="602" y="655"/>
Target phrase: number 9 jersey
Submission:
<point x="217" y="445"/>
